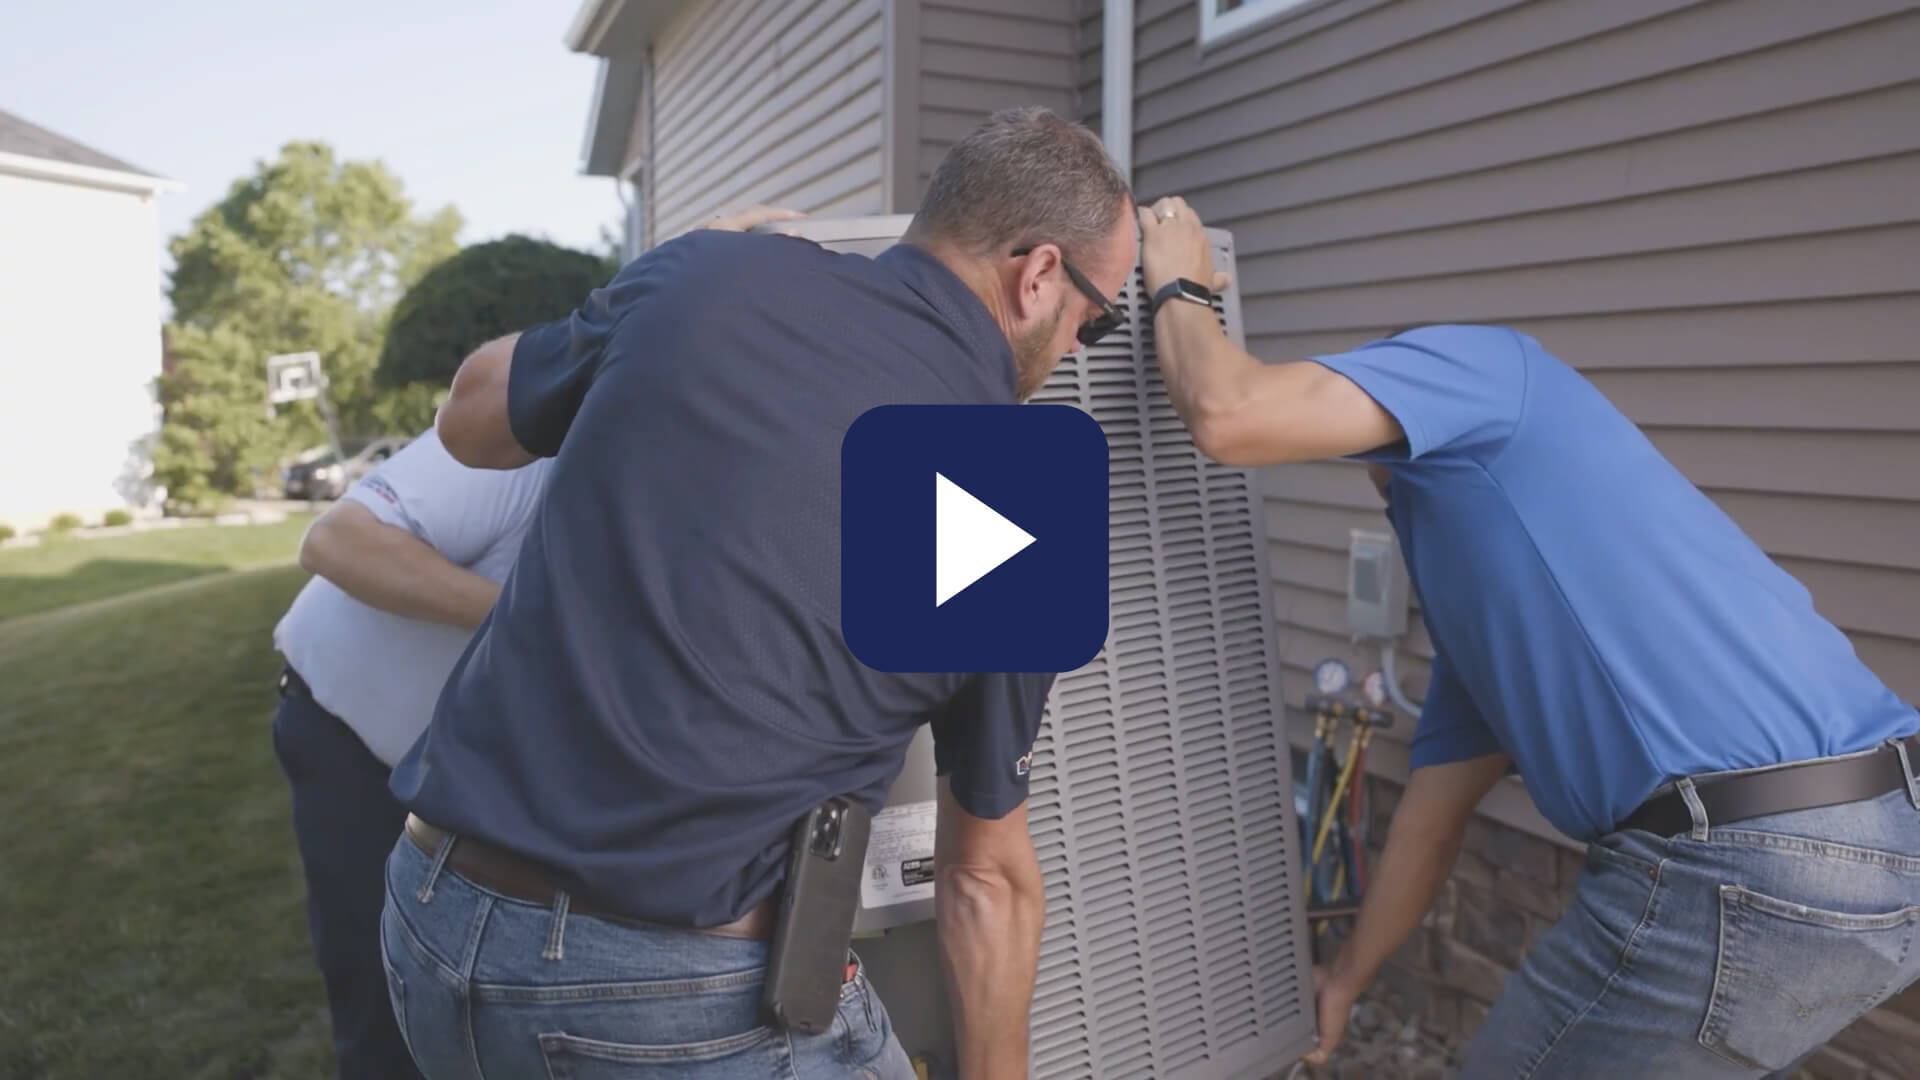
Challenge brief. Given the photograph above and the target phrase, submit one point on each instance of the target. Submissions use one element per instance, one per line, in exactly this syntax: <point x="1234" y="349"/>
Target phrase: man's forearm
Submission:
<point x="990" y="942"/>
<point x="394" y="571"/>
<point x="1204" y="371"/>
<point x="1412" y="869"/>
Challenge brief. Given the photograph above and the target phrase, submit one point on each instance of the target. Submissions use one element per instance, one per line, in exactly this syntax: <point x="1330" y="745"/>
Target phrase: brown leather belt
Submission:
<point x="1806" y="785"/>
<point x="521" y="879"/>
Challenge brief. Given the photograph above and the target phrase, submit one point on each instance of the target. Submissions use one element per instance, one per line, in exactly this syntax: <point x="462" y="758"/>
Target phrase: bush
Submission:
<point x="116" y="518"/>
<point x="485" y="291"/>
<point x="6" y="533"/>
<point x="64" y="523"/>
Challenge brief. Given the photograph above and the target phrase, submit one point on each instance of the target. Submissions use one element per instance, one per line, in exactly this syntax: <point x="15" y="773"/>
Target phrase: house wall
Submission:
<point x="978" y="56"/>
<point x="79" y="345"/>
<point x="1705" y="206"/>
<point x="766" y="101"/>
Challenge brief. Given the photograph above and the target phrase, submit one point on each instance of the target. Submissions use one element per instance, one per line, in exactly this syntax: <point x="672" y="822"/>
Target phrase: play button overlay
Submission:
<point x="969" y="539"/>
<point x="974" y="538"/>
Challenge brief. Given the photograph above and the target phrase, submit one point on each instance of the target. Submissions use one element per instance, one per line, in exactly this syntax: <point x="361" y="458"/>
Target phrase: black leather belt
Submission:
<point x="513" y="876"/>
<point x="1804" y="786"/>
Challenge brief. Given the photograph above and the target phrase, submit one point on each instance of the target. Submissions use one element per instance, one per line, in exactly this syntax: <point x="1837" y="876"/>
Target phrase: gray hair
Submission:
<point x="1026" y="176"/>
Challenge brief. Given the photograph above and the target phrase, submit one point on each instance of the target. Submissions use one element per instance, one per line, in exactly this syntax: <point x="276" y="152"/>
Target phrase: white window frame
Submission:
<point x="1217" y="26"/>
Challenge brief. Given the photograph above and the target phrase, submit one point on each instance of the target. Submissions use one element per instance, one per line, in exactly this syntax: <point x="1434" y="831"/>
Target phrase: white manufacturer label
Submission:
<point x="899" y="856"/>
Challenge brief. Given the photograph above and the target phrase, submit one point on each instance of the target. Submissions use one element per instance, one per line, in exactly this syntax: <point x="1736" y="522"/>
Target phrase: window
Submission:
<point x="1220" y="19"/>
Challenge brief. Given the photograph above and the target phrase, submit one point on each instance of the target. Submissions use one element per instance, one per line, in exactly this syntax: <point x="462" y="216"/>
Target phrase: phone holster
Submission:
<point x="808" y="963"/>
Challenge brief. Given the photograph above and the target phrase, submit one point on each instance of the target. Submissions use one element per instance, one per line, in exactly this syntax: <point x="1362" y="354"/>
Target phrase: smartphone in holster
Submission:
<point x="808" y="963"/>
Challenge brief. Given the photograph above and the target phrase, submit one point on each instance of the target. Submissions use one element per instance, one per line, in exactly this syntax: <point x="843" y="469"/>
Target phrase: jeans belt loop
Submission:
<point x="557" y="931"/>
<point x="1906" y="767"/>
<point x="425" y="894"/>
<point x="1691" y="796"/>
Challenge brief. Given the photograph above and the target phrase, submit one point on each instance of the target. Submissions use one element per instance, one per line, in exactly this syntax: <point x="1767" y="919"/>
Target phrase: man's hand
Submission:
<point x="1174" y="244"/>
<point x="1422" y="843"/>
<point x="752" y="216"/>
<point x="1334" y="998"/>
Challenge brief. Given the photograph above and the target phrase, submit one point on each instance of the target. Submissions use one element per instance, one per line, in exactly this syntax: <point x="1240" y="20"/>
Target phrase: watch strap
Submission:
<point x="1184" y="288"/>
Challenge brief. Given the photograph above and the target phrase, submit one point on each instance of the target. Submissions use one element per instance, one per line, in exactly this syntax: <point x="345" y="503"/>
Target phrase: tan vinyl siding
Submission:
<point x="1087" y="41"/>
<point x="1707" y="207"/>
<point x="767" y="101"/>
<point x="976" y="56"/>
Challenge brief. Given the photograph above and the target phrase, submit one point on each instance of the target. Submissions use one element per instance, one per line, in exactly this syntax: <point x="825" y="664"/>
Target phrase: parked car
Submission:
<point x="319" y="474"/>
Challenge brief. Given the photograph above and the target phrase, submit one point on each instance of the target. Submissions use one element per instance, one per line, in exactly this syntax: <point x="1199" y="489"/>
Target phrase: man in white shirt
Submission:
<point x="407" y="564"/>
<point x="406" y="567"/>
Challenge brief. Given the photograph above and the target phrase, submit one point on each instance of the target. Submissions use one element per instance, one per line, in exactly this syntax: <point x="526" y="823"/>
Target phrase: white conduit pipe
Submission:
<point x="1116" y="83"/>
<point x="1389" y="676"/>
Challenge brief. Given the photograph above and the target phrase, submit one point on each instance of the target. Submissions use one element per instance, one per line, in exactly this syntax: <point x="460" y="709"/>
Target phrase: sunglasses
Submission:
<point x="1109" y="319"/>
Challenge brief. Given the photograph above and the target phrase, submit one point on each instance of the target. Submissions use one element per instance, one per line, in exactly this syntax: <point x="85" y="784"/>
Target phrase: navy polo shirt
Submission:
<point x="662" y="690"/>
<point x="1594" y="615"/>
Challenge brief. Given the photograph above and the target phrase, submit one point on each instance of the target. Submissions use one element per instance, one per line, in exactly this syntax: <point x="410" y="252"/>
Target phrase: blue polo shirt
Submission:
<point x="662" y="690"/>
<point x="1593" y="614"/>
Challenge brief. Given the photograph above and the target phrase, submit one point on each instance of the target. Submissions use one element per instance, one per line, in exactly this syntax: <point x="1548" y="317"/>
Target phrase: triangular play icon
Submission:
<point x="970" y="539"/>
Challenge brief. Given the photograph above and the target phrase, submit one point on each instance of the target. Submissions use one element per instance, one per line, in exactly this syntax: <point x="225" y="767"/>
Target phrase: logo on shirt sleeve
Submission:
<point x="379" y="486"/>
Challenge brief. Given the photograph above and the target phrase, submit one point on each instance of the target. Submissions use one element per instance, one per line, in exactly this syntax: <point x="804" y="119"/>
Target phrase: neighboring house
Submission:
<point x="79" y="326"/>
<point x="1707" y="207"/>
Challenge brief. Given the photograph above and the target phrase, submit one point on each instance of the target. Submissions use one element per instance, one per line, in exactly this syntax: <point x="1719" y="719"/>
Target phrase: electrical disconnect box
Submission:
<point x="1376" y="586"/>
<point x="1161" y="802"/>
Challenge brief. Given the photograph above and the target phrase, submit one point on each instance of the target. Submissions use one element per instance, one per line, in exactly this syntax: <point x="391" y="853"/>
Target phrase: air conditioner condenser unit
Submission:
<point x="1161" y="805"/>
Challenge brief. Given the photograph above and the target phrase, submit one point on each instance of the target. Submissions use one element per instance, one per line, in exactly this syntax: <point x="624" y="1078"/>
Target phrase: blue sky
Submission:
<point x="477" y="103"/>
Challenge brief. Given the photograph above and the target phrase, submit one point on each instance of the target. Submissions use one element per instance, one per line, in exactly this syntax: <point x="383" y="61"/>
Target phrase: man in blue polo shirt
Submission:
<point x="602" y="803"/>
<point x="1744" y="783"/>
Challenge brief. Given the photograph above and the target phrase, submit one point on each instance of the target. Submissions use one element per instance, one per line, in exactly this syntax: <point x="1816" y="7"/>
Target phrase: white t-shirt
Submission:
<point x="382" y="673"/>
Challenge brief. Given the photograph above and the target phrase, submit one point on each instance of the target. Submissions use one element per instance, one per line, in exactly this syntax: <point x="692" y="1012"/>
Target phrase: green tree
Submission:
<point x="307" y="254"/>
<point x="485" y="291"/>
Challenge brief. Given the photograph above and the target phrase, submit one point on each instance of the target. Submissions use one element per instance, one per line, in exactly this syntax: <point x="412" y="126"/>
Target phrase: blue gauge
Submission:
<point x="1331" y="676"/>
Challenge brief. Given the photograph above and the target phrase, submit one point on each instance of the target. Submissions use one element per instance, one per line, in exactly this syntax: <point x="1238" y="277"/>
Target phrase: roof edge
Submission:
<point x="616" y="97"/>
<point x="87" y="175"/>
<point x="616" y="29"/>
<point x="590" y="23"/>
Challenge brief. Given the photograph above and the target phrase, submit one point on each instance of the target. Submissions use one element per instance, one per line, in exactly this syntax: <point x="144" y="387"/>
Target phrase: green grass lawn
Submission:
<point x="152" y="912"/>
<point x="67" y="570"/>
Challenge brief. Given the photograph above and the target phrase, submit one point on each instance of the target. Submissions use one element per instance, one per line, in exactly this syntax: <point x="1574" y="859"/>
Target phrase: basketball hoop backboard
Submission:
<point x="294" y="377"/>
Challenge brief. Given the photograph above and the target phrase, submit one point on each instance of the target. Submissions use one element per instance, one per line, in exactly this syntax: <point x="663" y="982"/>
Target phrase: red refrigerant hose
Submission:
<point x="1358" y="832"/>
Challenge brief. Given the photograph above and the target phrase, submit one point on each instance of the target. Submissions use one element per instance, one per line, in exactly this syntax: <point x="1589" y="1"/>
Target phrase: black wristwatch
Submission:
<point x="1183" y="288"/>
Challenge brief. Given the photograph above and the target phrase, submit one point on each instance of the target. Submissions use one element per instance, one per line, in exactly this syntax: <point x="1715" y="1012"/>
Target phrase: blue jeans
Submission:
<point x="491" y="988"/>
<point x="1733" y="951"/>
<point x="344" y="821"/>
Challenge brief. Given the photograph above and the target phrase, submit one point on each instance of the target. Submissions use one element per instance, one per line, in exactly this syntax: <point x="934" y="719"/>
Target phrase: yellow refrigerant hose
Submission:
<point x="1339" y="788"/>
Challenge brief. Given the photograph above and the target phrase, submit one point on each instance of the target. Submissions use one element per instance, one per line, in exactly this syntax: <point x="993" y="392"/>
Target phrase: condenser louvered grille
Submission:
<point x="1161" y="800"/>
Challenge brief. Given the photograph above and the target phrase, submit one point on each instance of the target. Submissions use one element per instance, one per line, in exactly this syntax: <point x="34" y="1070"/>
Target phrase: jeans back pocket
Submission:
<point x="1789" y="977"/>
<point x="760" y="1052"/>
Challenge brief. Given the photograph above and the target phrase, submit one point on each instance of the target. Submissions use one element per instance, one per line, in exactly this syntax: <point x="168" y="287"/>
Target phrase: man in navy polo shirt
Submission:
<point x="1744" y="783"/>
<point x="602" y="803"/>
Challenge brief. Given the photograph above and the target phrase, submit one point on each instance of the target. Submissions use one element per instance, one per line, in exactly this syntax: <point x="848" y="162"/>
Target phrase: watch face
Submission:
<point x="1331" y="676"/>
